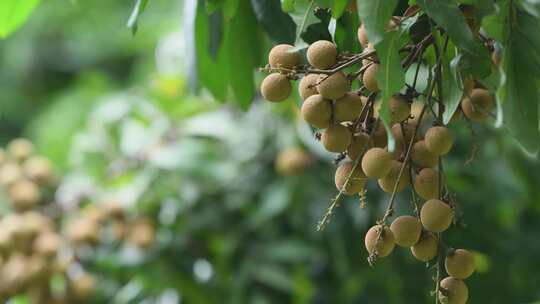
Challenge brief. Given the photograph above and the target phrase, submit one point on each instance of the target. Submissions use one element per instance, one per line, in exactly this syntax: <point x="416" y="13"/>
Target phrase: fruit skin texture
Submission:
<point x="292" y="161"/>
<point x="406" y="230"/>
<point x="439" y="140"/>
<point x="388" y="182"/>
<point x="380" y="138"/>
<point x="426" y="183"/>
<point x="348" y="107"/>
<point x="477" y="104"/>
<point x="426" y="248"/>
<point x="376" y="163"/>
<point x="359" y="144"/>
<point x="356" y="183"/>
<point x="400" y="108"/>
<point x="276" y="87"/>
<point x="336" y="138"/>
<point x="436" y="216"/>
<point x="386" y="245"/>
<point x="456" y="291"/>
<point x="24" y="195"/>
<point x="317" y="111"/>
<point x="280" y="56"/>
<point x="322" y="54"/>
<point x="368" y="79"/>
<point x="308" y="86"/>
<point x="422" y="156"/>
<point x="333" y="86"/>
<point x="362" y="36"/>
<point x="460" y="264"/>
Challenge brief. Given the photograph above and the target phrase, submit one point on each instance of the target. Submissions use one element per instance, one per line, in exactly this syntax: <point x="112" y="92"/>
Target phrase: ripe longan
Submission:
<point x="386" y="244"/>
<point x="10" y="173"/>
<point x="460" y="264"/>
<point x="400" y="108"/>
<point x="416" y="110"/>
<point x="348" y="107"/>
<point x="308" y="86"/>
<point x="376" y="163"/>
<point x="402" y="142"/>
<point x="317" y="111"/>
<point x="20" y="148"/>
<point x="281" y="57"/>
<point x="83" y="287"/>
<point x="362" y="36"/>
<point x="322" y="54"/>
<point x="476" y="106"/>
<point x="369" y="80"/>
<point x="142" y="233"/>
<point x="359" y="144"/>
<point x="356" y="183"/>
<point x="426" y="249"/>
<point x="24" y="194"/>
<point x="422" y="156"/>
<point x="453" y="291"/>
<point x="336" y="138"/>
<point x="426" y="184"/>
<point x="436" y="216"/>
<point x="333" y="86"/>
<point x="406" y="230"/>
<point x="276" y="87"/>
<point x="439" y="140"/>
<point x="388" y="182"/>
<point x="292" y="161"/>
<point x="380" y="139"/>
<point x="38" y="169"/>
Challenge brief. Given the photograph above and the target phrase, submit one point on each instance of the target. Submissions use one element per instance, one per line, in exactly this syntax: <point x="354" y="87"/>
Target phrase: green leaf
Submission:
<point x="230" y="7"/>
<point x="304" y="16"/>
<point x="339" y="8"/>
<point x="451" y="87"/>
<point x="269" y="14"/>
<point x="375" y="15"/>
<point x="345" y="38"/>
<point x="13" y="14"/>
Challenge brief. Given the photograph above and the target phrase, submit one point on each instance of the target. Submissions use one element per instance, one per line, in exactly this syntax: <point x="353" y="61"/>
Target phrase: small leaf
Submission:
<point x="13" y="14"/>
<point x="133" y="20"/>
<point x="269" y="14"/>
<point x="375" y="15"/>
<point x="304" y="16"/>
<point x="230" y="7"/>
<point x="339" y="8"/>
<point x="451" y="87"/>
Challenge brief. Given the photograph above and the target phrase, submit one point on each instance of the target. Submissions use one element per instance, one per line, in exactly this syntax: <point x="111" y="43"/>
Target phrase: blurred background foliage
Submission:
<point x="114" y="114"/>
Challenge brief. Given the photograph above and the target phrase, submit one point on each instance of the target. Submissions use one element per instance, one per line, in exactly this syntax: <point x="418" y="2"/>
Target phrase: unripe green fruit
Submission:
<point x="477" y="106"/>
<point x="453" y="291"/>
<point x="380" y="139"/>
<point x="406" y="230"/>
<point x="460" y="264"/>
<point x="292" y="161"/>
<point x="308" y="86"/>
<point x="360" y="143"/>
<point x="376" y="163"/>
<point x="436" y="216"/>
<point x="322" y="54"/>
<point x="439" y="140"/>
<point x="383" y="247"/>
<point x="24" y="195"/>
<point x="426" y="184"/>
<point x="387" y="183"/>
<point x="426" y="248"/>
<point x="362" y="36"/>
<point x="348" y="107"/>
<point x="317" y="111"/>
<point x="356" y="183"/>
<point x="333" y="86"/>
<point x="281" y="57"/>
<point x="422" y="157"/>
<point x="369" y="80"/>
<point x="276" y="87"/>
<point x="20" y="148"/>
<point x="336" y="138"/>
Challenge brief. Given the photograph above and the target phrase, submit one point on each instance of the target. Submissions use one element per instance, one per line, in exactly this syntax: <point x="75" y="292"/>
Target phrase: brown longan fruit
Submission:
<point x="292" y="161"/>
<point x="142" y="233"/>
<point x="48" y="244"/>
<point x="416" y="110"/>
<point x="383" y="247"/>
<point x="402" y="142"/>
<point x="83" y="287"/>
<point x="20" y="148"/>
<point x="426" y="183"/>
<point x="376" y="163"/>
<point x="9" y="173"/>
<point x="477" y="106"/>
<point x="308" y="86"/>
<point x="460" y="264"/>
<point x="336" y="138"/>
<point x="276" y="87"/>
<point x="356" y="183"/>
<point x="38" y="169"/>
<point x="400" y="108"/>
<point x="83" y="230"/>
<point x="436" y="216"/>
<point x="453" y="291"/>
<point x="281" y="57"/>
<point x="362" y="36"/>
<point x="422" y="157"/>
<point x="24" y="194"/>
<point x="322" y="54"/>
<point x="426" y="248"/>
<point x="406" y="230"/>
<point x="317" y="111"/>
<point x="439" y="140"/>
<point x="369" y="80"/>
<point x="359" y="144"/>
<point x="348" y="107"/>
<point x="388" y="182"/>
<point x="333" y="86"/>
<point x="380" y="139"/>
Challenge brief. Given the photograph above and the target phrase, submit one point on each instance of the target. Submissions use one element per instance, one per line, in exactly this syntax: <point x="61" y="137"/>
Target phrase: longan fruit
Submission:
<point x="9" y="173"/>
<point x="281" y="57"/>
<point x="439" y="140"/>
<point x="83" y="230"/>
<point x="400" y="108"/>
<point x="142" y="233"/>
<point x="376" y="163"/>
<point x="48" y="244"/>
<point x="348" y="107"/>
<point x="276" y="87"/>
<point x="380" y="139"/>
<point x="336" y="138"/>
<point x="292" y="161"/>
<point x="476" y="106"/>
<point x="3" y="156"/>
<point x="406" y="230"/>
<point x="308" y="86"/>
<point x="416" y="110"/>
<point x="333" y="86"/>
<point x="38" y="169"/>
<point x="453" y="291"/>
<point x="20" y="148"/>
<point x="24" y="194"/>
<point x="388" y="182"/>
<point x="356" y="183"/>
<point x="362" y="36"/>
<point x="317" y="111"/>
<point x="402" y="142"/>
<point x="359" y="144"/>
<point x="422" y="157"/>
<point x="369" y="80"/>
<point x="426" y="183"/>
<point x="385" y="246"/>
<point x="83" y="287"/>
<point x="436" y="216"/>
<point x="460" y="264"/>
<point x="427" y="247"/>
<point x="322" y="54"/>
